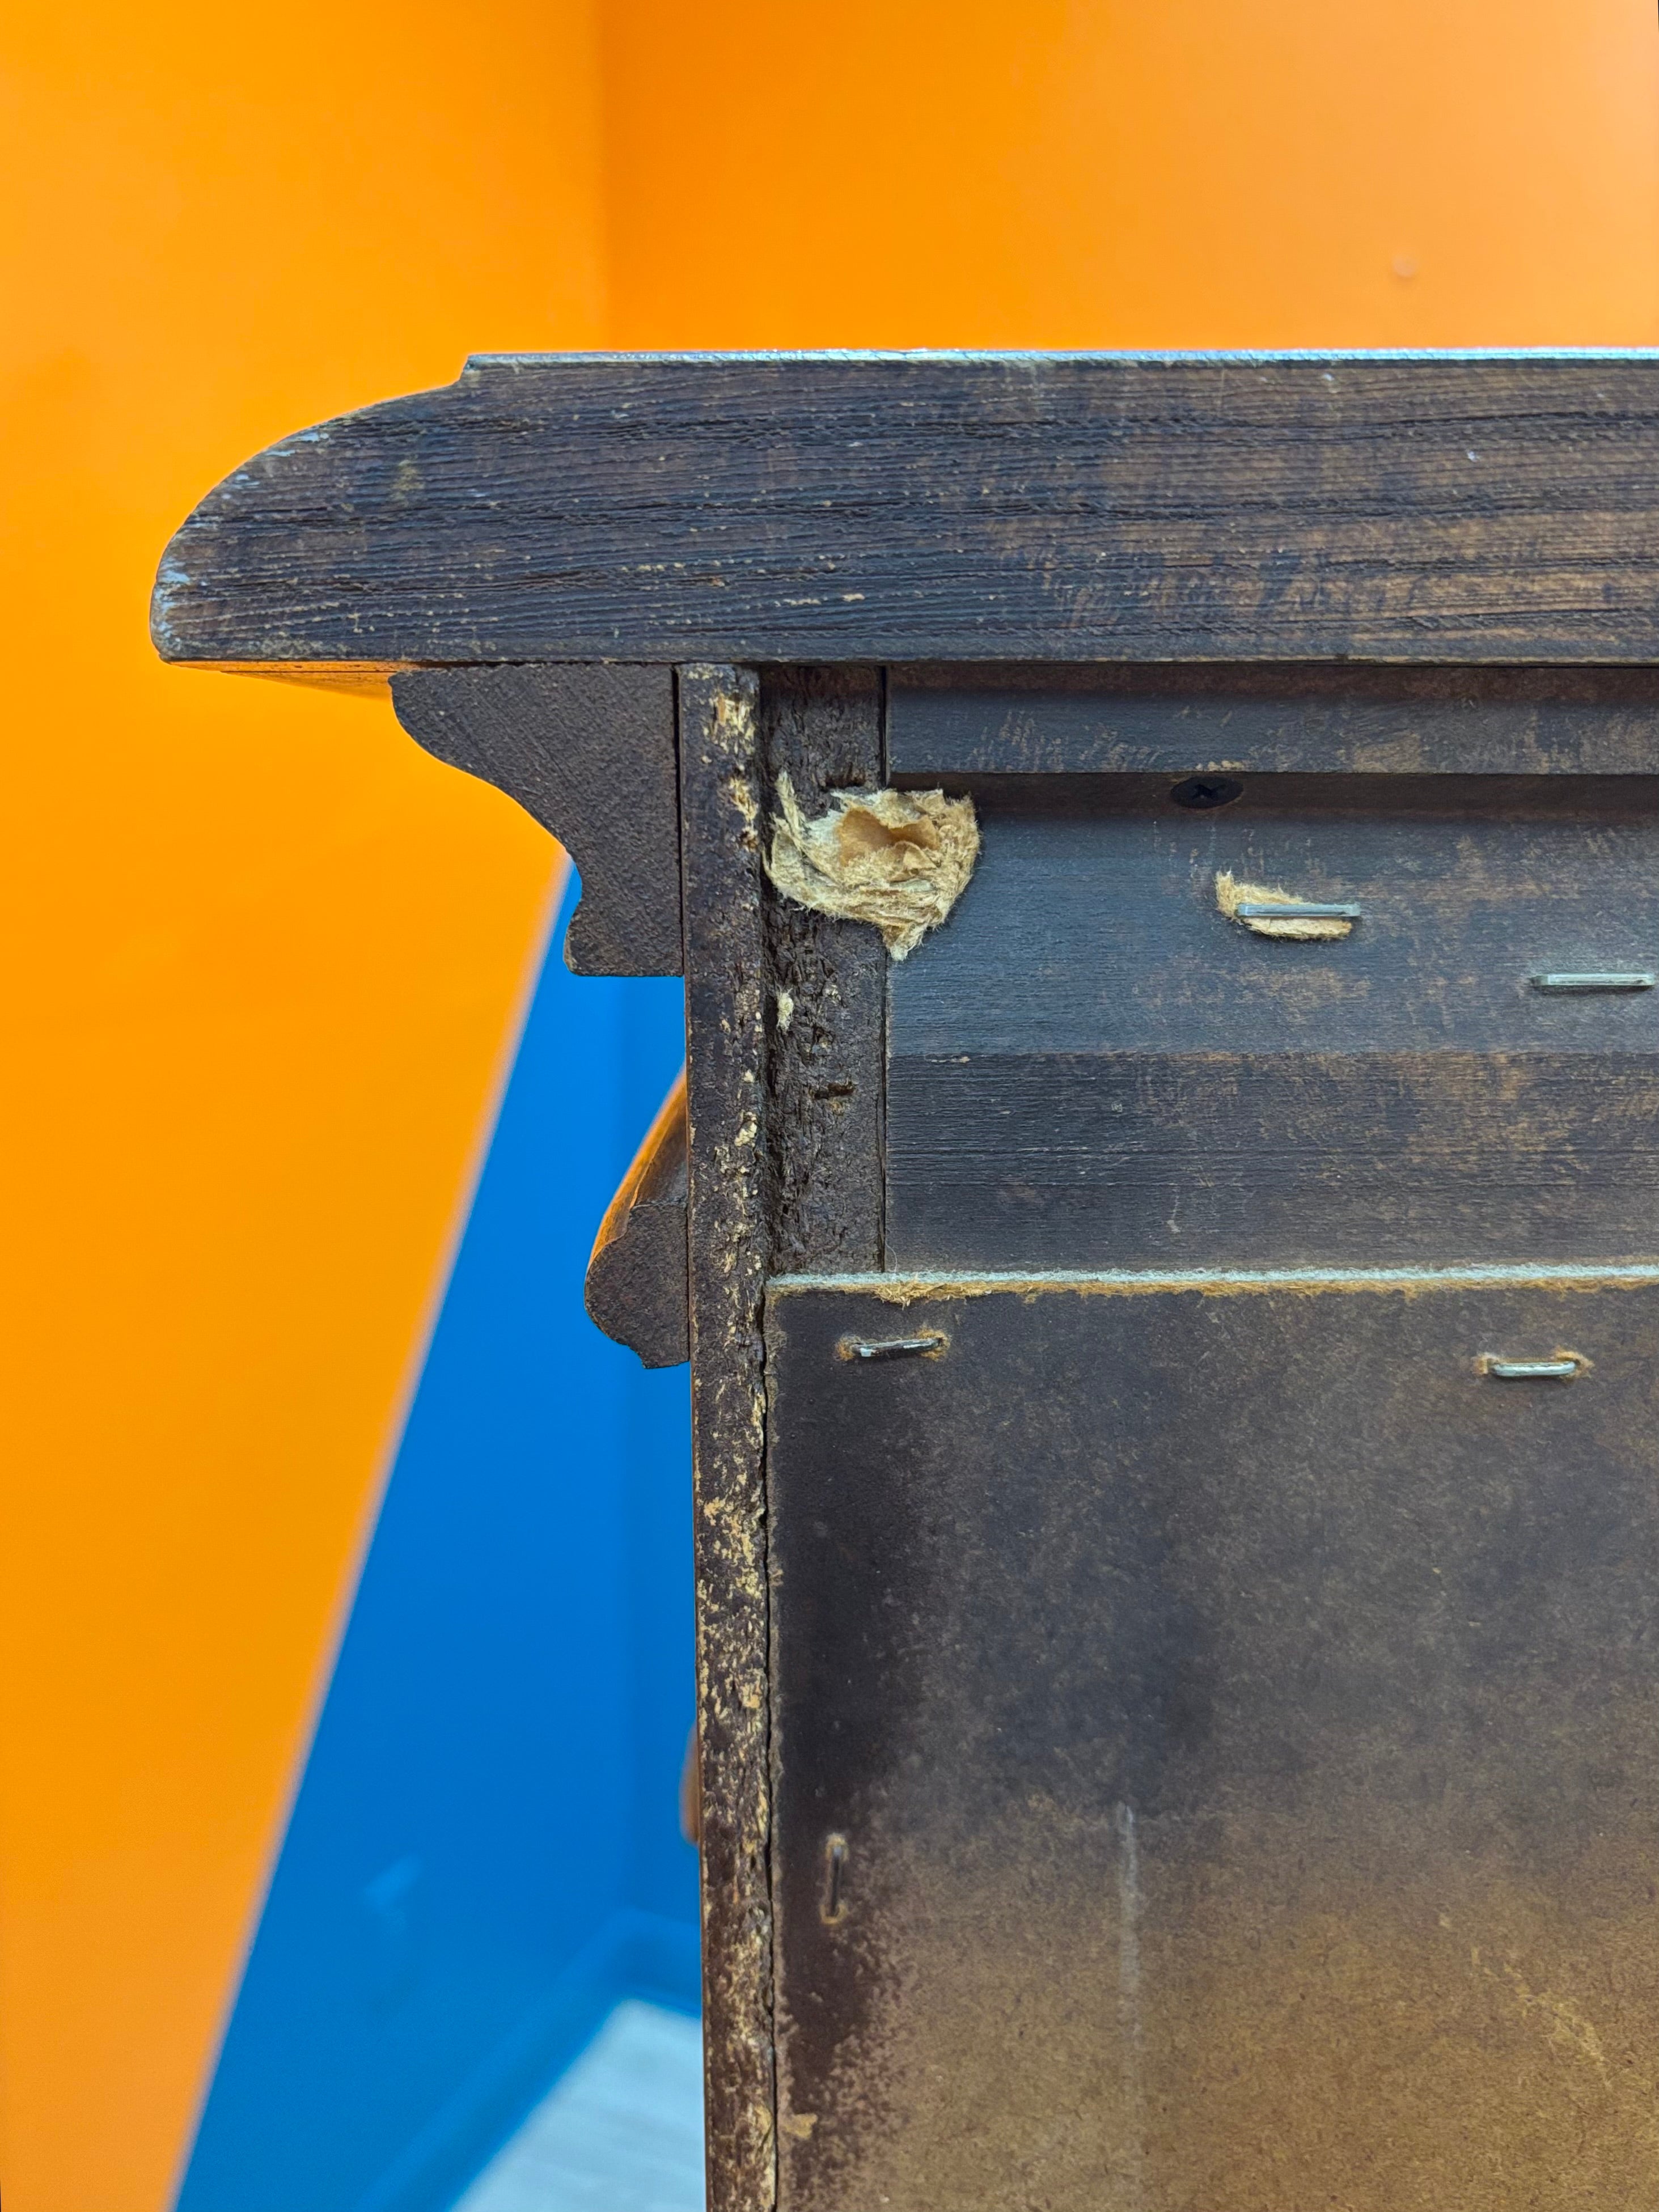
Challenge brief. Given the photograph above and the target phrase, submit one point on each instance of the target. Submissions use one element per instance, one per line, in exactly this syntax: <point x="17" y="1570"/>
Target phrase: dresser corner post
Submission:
<point x="721" y="793"/>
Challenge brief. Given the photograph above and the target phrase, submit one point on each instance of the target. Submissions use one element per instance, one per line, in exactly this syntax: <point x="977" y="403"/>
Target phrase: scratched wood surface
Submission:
<point x="826" y="993"/>
<point x="1244" y="719"/>
<point x="589" y="754"/>
<point x="1090" y="1064"/>
<point x="1238" y="1717"/>
<point x="1484" y="508"/>
<point x="724" y="977"/>
<point x="1209" y="1726"/>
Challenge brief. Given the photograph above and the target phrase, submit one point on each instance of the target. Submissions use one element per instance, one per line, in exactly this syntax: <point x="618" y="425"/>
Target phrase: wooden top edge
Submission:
<point x="1016" y="356"/>
<point x="1489" y="507"/>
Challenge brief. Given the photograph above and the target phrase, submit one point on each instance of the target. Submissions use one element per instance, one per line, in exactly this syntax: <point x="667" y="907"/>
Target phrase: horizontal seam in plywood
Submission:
<point x="1230" y="1282"/>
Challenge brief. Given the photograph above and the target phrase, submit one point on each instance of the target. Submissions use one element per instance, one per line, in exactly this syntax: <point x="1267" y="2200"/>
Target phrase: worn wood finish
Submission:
<point x="827" y="994"/>
<point x="1239" y="1716"/>
<point x="589" y="753"/>
<point x="1250" y="719"/>
<point x="726" y="989"/>
<point x="1076" y="1160"/>
<point x="1092" y="1064"/>
<point x="636" y="1289"/>
<point x="948" y="506"/>
<point x="1207" y="1709"/>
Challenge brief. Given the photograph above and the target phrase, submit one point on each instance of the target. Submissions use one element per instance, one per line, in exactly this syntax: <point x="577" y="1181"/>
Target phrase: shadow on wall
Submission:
<point x="484" y="1853"/>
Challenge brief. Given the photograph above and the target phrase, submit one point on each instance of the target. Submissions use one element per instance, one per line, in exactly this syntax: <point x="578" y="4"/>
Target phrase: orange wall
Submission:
<point x="261" y="955"/>
<point x="1134" y="173"/>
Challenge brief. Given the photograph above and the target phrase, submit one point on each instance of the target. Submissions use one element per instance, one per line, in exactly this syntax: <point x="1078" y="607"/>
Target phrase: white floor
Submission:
<point x="621" y="2132"/>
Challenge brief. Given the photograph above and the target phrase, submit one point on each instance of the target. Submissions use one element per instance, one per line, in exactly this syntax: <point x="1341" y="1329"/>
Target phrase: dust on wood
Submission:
<point x="1310" y="1862"/>
<point x="935" y="506"/>
<point x="727" y="1002"/>
<point x="826" y="1059"/>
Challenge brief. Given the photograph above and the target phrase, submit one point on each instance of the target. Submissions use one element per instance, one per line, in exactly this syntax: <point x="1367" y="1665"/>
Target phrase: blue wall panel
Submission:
<point x="485" y="1851"/>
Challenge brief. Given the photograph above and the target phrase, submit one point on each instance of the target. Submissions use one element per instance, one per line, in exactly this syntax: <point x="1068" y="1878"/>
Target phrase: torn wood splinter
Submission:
<point x="898" y="859"/>
<point x="1241" y="903"/>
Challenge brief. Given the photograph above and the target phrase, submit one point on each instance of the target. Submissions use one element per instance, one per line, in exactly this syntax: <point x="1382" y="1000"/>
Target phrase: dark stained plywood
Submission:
<point x="1091" y="1065"/>
<point x="1234" y="1719"/>
<point x="901" y="507"/>
<point x="1075" y="1161"/>
<point x="1266" y="720"/>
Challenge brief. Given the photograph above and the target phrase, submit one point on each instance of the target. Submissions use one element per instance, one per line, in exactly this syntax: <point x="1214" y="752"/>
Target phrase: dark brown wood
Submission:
<point x="726" y="993"/>
<point x="1068" y="1160"/>
<point x="1090" y="1064"/>
<point x="1245" y="720"/>
<point x="636" y="1288"/>
<point x="827" y="994"/>
<point x="1416" y="507"/>
<point x="589" y="753"/>
<point x="1177" y="1733"/>
<point x="1238" y="1716"/>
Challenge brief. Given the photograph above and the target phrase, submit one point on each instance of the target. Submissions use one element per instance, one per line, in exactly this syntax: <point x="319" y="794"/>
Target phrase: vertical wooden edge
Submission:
<point x="826" y="993"/>
<point x="825" y="1080"/>
<point x="720" y="813"/>
<point x="886" y="1036"/>
<point x="883" y="753"/>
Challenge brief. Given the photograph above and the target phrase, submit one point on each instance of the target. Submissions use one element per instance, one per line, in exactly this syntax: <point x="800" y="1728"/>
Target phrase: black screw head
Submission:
<point x="1207" y="790"/>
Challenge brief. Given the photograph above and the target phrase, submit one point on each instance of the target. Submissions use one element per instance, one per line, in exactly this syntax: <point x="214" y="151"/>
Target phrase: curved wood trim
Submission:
<point x="636" y="1279"/>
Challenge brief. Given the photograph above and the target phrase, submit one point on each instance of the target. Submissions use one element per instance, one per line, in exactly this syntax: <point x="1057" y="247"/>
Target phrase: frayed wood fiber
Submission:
<point x="898" y="859"/>
<point x="1231" y="894"/>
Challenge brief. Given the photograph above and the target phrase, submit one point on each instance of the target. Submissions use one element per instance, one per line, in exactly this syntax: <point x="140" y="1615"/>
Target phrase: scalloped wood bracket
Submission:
<point x="636" y="1289"/>
<point x="589" y="751"/>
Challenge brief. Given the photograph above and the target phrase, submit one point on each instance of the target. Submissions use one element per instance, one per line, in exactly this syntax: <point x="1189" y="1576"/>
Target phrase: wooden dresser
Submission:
<point x="1176" y="1355"/>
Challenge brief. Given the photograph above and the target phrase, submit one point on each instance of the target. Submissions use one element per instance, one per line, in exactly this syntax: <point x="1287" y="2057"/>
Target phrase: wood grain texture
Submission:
<point x="1272" y="720"/>
<point x="726" y="989"/>
<point x="1281" y="1160"/>
<point x="636" y="1289"/>
<point x="1240" y="1715"/>
<point x="948" y="506"/>
<point x="1091" y="1066"/>
<point x="1092" y="922"/>
<point x="589" y="753"/>
<point x="827" y="994"/>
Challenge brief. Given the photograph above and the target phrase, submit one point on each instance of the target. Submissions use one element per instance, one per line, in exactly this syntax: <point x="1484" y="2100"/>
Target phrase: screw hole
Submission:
<point x="1201" y="790"/>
